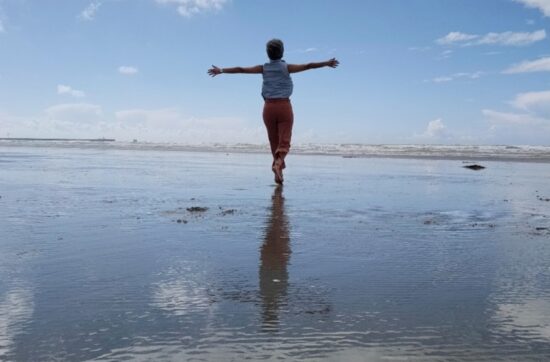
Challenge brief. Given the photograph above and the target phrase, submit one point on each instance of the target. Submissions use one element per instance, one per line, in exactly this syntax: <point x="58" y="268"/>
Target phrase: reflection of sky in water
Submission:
<point x="520" y="302"/>
<point x="357" y="259"/>
<point x="530" y="319"/>
<point x="184" y="291"/>
<point x="16" y="308"/>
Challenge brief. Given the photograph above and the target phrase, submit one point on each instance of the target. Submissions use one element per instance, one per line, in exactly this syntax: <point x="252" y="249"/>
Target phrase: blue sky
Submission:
<point x="412" y="71"/>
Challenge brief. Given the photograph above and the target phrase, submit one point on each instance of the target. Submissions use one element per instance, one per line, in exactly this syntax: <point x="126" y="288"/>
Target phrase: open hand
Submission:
<point x="214" y="71"/>
<point x="333" y="63"/>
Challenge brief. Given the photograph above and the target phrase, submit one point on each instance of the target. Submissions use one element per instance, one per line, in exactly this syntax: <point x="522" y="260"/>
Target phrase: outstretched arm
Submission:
<point x="214" y="71"/>
<point x="295" y="68"/>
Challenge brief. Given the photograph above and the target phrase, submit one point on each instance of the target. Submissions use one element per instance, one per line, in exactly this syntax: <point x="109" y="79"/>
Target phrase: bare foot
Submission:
<point x="278" y="171"/>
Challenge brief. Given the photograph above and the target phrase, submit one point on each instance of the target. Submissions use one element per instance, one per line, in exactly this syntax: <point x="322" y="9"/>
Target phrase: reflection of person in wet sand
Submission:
<point x="274" y="257"/>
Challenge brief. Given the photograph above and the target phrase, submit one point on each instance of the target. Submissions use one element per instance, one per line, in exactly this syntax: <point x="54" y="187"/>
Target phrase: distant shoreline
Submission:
<point x="60" y="139"/>
<point x="465" y="153"/>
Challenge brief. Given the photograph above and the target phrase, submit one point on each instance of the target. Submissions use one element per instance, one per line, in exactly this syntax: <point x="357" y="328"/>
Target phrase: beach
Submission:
<point x="121" y="253"/>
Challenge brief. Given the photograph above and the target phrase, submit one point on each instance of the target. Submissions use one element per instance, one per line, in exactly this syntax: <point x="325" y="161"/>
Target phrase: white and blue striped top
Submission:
<point x="277" y="81"/>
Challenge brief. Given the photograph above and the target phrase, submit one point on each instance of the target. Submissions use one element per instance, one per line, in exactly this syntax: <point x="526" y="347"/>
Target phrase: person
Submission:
<point x="276" y="91"/>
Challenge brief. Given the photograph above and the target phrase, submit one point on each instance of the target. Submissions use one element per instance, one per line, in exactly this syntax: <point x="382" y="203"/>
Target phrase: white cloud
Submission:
<point x="65" y="89"/>
<point x="90" y="11"/>
<point x="507" y="38"/>
<point x="474" y="75"/>
<point x="435" y="129"/>
<point x="442" y="79"/>
<point x="455" y="37"/>
<point x="542" y="5"/>
<point x="75" y="112"/>
<point x="305" y="50"/>
<point x="437" y="132"/>
<point x="420" y="49"/>
<point x="2" y="19"/>
<point x="171" y="125"/>
<point x="534" y="105"/>
<point x="496" y="118"/>
<point x="83" y="120"/>
<point x="529" y="66"/>
<point x="446" y="54"/>
<point x="455" y="76"/>
<point x="533" y="102"/>
<point x="189" y="8"/>
<point x="529" y="122"/>
<point x="127" y="70"/>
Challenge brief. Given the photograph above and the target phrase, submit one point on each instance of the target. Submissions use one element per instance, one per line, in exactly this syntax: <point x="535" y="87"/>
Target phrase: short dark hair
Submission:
<point x="275" y="49"/>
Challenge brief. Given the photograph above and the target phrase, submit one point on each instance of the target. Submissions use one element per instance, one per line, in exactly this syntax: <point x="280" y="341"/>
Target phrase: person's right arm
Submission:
<point x="214" y="71"/>
<point x="295" y="68"/>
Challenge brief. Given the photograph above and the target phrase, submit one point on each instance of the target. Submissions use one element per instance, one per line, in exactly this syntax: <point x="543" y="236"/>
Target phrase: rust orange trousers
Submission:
<point x="278" y="120"/>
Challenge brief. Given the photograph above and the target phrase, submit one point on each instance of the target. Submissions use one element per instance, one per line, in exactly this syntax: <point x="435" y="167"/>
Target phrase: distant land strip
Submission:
<point x="61" y="139"/>
<point x="469" y="153"/>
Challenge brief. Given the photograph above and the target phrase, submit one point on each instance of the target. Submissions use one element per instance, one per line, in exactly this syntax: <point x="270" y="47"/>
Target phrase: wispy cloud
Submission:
<point x="496" y="118"/>
<point x="542" y="5"/>
<point x="455" y="37"/>
<point x="446" y="54"/>
<point x="420" y="49"/>
<point x="530" y="66"/>
<point x="533" y="102"/>
<point x="2" y="17"/>
<point x="529" y="120"/>
<point x="65" y="89"/>
<point x="188" y="8"/>
<point x="127" y="70"/>
<point x="442" y="79"/>
<point x="305" y="50"/>
<point x="455" y="76"/>
<point x="507" y="38"/>
<point x="90" y="11"/>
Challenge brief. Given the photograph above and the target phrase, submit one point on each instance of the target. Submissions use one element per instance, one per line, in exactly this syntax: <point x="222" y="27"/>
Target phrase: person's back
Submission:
<point x="277" y="82"/>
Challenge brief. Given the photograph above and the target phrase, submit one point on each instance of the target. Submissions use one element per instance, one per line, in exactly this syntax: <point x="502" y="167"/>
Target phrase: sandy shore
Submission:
<point x="108" y="254"/>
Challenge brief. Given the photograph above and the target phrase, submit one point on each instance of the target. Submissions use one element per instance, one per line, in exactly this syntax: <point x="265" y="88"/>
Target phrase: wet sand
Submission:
<point x="150" y="255"/>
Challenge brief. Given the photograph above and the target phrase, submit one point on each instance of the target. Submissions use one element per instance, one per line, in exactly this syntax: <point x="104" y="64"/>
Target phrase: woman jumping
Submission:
<point x="276" y="91"/>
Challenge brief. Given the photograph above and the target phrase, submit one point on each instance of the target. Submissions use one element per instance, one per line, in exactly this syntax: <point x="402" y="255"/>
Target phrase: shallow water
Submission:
<point x="354" y="259"/>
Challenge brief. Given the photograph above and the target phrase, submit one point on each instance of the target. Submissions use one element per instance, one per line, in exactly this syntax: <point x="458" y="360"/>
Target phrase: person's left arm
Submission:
<point x="214" y="71"/>
<point x="295" y="68"/>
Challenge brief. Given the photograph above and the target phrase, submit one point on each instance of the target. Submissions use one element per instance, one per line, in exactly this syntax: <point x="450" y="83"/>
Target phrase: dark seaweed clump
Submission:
<point x="474" y="167"/>
<point x="197" y="209"/>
